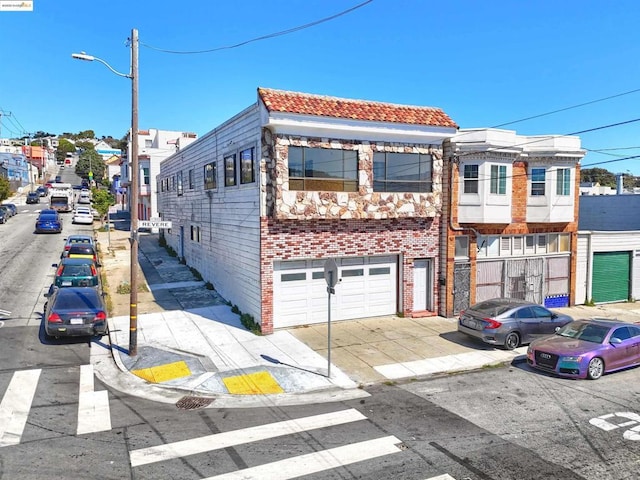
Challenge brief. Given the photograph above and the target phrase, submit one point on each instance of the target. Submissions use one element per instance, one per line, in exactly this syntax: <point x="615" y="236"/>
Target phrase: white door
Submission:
<point x="367" y="287"/>
<point x="422" y="285"/>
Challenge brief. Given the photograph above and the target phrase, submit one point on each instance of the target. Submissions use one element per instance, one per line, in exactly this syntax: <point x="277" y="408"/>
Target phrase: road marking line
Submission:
<point x="295" y="467"/>
<point x="15" y="405"/>
<point x="446" y="476"/>
<point x="93" y="407"/>
<point x="218" y="441"/>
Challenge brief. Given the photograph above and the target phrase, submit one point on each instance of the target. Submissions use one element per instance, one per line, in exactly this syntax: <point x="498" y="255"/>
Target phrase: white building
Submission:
<point x="153" y="146"/>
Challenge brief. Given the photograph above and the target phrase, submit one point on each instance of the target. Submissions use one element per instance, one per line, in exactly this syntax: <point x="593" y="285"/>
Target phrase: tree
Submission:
<point x="5" y="189"/>
<point x="64" y="147"/>
<point x="90" y="161"/>
<point x="86" y="134"/>
<point x="85" y="145"/>
<point x="102" y="200"/>
<point x="598" y="175"/>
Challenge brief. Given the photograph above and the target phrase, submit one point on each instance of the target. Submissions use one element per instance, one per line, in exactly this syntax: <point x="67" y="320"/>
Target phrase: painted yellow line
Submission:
<point x="164" y="373"/>
<point x="259" y="383"/>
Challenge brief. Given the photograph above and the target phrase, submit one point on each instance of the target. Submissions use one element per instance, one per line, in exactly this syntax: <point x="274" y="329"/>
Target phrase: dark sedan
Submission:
<point x="42" y="191"/>
<point x="509" y="322"/>
<point x="587" y="349"/>
<point x="75" y="311"/>
<point x="3" y="216"/>
<point x="33" y="197"/>
<point x="48" y="223"/>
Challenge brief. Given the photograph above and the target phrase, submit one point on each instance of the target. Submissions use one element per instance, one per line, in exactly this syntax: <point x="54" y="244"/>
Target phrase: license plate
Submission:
<point x="76" y="321"/>
<point x="66" y="284"/>
<point x="470" y="323"/>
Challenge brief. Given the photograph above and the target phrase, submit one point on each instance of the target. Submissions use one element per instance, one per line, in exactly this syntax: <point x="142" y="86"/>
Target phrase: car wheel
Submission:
<point x="512" y="341"/>
<point x="595" y="368"/>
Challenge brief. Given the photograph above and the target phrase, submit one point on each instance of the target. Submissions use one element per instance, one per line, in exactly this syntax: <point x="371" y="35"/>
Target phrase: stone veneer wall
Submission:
<point x="409" y="238"/>
<point x="364" y="204"/>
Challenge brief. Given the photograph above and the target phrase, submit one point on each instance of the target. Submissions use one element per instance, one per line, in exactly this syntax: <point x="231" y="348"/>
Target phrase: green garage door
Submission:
<point x="611" y="276"/>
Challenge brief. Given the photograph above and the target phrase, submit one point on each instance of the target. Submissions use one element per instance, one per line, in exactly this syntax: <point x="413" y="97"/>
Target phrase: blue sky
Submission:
<point x="484" y="63"/>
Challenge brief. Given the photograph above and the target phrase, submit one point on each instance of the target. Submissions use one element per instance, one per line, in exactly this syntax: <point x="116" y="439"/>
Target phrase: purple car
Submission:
<point x="587" y="349"/>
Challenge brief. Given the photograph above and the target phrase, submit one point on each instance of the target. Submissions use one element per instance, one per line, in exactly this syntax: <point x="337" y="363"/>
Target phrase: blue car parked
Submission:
<point x="49" y="222"/>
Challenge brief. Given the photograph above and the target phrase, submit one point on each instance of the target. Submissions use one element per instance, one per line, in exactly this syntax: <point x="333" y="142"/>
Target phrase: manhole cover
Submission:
<point x="191" y="403"/>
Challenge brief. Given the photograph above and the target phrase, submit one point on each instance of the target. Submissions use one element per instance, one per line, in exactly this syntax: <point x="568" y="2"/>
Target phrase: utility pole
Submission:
<point x="133" y="208"/>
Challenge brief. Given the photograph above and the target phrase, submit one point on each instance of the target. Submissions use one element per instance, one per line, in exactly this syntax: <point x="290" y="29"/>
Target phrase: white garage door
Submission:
<point x="367" y="288"/>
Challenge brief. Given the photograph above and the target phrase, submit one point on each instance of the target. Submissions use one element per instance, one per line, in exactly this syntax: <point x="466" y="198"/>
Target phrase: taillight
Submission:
<point x="59" y="271"/>
<point x="67" y="247"/>
<point x="54" y="318"/>
<point x="94" y="272"/>
<point x="100" y="316"/>
<point x="491" y="323"/>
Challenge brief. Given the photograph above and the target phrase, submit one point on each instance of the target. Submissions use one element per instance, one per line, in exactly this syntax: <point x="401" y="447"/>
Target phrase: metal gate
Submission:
<point x="517" y="278"/>
<point x="524" y="279"/>
<point x="461" y="286"/>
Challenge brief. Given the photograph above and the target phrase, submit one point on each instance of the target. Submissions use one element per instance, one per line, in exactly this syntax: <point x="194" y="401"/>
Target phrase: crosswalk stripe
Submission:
<point x="93" y="407"/>
<point x="218" y="441"/>
<point x="15" y="405"/>
<point x="316" y="462"/>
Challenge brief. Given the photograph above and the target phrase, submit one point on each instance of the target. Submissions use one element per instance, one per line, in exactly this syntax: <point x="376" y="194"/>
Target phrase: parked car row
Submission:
<point x="7" y="210"/>
<point x="558" y="344"/>
<point x="75" y="304"/>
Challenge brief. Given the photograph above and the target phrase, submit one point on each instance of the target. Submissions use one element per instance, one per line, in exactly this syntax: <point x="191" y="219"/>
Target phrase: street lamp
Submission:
<point x="133" y="207"/>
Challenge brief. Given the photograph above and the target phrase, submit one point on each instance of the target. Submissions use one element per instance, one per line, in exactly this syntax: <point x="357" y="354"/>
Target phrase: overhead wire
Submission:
<point x="262" y="37"/>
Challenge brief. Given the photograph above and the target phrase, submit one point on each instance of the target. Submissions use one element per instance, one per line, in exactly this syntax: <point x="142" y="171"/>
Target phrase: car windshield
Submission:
<point x="588" y="332"/>
<point x="77" y="271"/>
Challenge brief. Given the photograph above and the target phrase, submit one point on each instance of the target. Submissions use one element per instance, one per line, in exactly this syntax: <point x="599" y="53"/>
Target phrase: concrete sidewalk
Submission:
<point x="191" y="345"/>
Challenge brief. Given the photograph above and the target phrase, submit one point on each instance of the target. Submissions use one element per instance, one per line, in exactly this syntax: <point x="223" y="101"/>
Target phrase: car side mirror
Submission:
<point x="99" y="265"/>
<point x="557" y="329"/>
<point x="54" y="265"/>
<point x="615" y="341"/>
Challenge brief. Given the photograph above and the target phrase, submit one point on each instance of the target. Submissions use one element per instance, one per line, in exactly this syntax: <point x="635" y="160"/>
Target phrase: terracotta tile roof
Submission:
<point x="307" y="104"/>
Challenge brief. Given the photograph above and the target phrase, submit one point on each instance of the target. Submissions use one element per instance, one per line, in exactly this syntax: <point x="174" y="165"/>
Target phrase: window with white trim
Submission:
<point x="563" y="182"/>
<point x="498" y="179"/>
<point x="538" y="180"/>
<point x="247" y="170"/>
<point x="230" y="170"/>
<point x="470" y="179"/>
<point x="462" y="246"/>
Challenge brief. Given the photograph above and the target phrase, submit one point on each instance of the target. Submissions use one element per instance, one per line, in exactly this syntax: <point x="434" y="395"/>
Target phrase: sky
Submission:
<point x="540" y="67"/>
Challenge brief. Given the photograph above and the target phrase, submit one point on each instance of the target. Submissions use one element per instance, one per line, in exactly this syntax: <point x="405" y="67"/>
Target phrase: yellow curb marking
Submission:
<point x="252" y="384"/>
<point x="164" y="373"/>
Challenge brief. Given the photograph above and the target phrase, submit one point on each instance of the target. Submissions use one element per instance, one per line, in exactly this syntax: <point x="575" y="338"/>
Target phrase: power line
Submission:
<point x="263" y="37"/>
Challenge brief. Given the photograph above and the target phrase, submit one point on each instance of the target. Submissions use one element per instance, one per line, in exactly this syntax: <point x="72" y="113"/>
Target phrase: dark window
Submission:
<point x="210" y="176"/>
<point x="191" y="179"/>
<point x="401" y="172"/>
<point x="180" y="190"/>
<point x="230" y="170"/>
<point x="323" y="169"/>
<point x="471" y="179"/>
<point x="537" y="181"/>
<point x="247" y="174"/>
<point x="293" y="277"/>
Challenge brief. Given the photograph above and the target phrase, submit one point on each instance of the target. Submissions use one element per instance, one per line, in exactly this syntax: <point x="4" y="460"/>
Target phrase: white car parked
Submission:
<point x="82" y="215"/>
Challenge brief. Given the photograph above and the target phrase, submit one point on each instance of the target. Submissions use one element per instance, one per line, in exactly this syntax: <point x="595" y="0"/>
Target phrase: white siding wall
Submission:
<point x="582" y="268"/>
<point x="228" y="254"/>
<point x="595" y="242"/>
